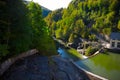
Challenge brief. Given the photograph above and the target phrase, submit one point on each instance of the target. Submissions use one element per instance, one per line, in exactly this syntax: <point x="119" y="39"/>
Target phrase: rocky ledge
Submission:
<point x="38" y="67"/>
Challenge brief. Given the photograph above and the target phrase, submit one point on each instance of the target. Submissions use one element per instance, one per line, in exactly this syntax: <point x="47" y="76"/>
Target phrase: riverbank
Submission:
<point x="104" y="64"/>
<point x="73" y="52"/>
<point x="90" y="75"/>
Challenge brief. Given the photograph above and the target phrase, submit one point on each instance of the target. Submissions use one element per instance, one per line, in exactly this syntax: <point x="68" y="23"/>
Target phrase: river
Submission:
<point x="105" y="65"/>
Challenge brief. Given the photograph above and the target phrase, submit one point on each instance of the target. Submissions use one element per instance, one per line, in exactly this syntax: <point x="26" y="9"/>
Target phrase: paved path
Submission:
<point x="37" y="67"/>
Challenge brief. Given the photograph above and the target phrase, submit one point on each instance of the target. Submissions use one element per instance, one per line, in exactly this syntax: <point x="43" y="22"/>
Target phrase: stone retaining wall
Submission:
<point x="6" y="64"/>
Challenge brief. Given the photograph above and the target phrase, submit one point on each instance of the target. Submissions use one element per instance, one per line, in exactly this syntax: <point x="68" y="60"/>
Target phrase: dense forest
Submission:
<point x="85" y="19"/>
<point x="45" y="11"/>
<point x="22" y="28"/>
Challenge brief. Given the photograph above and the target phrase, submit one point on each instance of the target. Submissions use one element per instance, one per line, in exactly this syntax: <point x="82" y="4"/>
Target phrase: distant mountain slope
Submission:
<point x="45" y="11"/>
<point x="84" y="17"/>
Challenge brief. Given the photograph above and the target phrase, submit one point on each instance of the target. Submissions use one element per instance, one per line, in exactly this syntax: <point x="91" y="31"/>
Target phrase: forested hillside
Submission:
<point x="22" y="28"/>
<point x="45" y="11"/>
<point x="84" y="17"/>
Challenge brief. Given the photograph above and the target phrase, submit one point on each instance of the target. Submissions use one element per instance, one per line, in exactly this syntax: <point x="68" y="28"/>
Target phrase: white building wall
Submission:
<point x="115" y="46"/>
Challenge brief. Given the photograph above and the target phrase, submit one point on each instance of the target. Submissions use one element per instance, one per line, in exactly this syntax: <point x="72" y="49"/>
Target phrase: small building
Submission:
<point x="114" y="41"/>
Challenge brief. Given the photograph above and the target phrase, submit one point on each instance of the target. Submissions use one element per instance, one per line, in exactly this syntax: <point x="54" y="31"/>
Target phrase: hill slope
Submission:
<point x="45" y="11"/>
<point x="83" y="17"/>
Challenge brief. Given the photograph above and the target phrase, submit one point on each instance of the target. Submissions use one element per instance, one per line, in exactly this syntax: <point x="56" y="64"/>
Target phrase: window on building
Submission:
<point x="118" y="44"/>
<point x="113" y="44"/>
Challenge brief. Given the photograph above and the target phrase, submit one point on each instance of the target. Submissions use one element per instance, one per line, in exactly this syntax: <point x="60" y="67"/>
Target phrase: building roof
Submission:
<point x="115" y="36"/>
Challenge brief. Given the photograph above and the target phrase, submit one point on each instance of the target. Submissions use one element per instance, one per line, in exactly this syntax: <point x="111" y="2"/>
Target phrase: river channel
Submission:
<point x="105" y="65"/>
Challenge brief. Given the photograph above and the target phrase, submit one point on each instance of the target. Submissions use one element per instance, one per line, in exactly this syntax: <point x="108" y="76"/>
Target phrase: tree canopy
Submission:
<point x="83" y="17"/>
<point x="22" y="28"/>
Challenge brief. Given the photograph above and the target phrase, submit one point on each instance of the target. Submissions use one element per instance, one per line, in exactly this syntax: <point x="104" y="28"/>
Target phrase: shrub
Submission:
<point x="90" y="50"/>
<point x="3" y="51"/>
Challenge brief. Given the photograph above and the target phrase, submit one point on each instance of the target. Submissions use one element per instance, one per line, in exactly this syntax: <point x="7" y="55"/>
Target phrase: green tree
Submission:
<point x="20" y="38"/>
<point x="37" y="23"/>
<point x="40" y="37"/>
<point x="86" y="17"/>
<point x="71" y="38"/>
<point x="14" y="28"/>
<point x="118" y="25"/>
<point x="92" y="37"/>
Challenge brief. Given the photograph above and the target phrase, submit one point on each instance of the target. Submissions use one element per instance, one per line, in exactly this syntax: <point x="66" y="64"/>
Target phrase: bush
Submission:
<point x="90" y="50"/>
<point x="3" y="51"/>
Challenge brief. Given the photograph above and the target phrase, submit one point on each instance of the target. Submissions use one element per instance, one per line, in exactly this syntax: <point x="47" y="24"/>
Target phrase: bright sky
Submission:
<point x="53" y="4"/>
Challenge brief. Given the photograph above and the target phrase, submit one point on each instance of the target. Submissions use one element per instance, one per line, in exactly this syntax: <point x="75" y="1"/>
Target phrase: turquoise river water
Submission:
<point x="105" y="65"/>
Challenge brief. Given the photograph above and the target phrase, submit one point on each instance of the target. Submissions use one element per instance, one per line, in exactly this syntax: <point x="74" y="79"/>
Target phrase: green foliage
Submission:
<point x="107" y="31"/>
<point x="3" y="51"/>
<point x="37" y="23"/>
<point x="14" y="28"/>
<point x="45" y="11"/>
<point x="19" y="28"/>
<point x="22" y="28"/>
<point x="114" y="4"/>
<point x="58" y="34"/>
<point x="41" y="39"/>
<point x="52" y="18"/>
<point x="90" y="51"/>
<point x="71" y="38"/>
<point x="73" y="53"/>
<point x="92" y="37"/>
<point x="118" y="25"/>
<point x="47" y="46"/>
<point x="84" y="17"/>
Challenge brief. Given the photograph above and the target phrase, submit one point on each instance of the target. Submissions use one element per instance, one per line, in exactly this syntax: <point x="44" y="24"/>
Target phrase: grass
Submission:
<point x="74" y="53"/>
<point x="71" y="51"/>
<point x="109" y="60"/>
